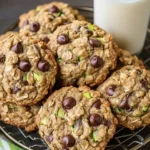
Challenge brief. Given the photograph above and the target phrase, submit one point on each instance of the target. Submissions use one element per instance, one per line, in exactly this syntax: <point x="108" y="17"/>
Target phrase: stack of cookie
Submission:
<point x="98" y="84"/>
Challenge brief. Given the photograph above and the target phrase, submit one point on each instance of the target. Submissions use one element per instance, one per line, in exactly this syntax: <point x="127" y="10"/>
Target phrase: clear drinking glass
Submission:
<point x="126" y="20"/>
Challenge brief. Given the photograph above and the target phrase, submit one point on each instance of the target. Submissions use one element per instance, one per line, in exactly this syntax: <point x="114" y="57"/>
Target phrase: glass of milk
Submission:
<point x="126" y="20"/>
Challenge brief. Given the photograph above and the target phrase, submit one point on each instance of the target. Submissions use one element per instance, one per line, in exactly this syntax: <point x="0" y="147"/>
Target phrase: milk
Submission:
<point x="126" y="20"/>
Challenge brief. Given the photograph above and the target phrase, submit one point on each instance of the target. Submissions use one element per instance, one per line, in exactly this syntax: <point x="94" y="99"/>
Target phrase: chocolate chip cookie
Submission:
<point x="84" y="52"/>
<point x="128" y="91"/>
<point x="76" y="118"/>
<point x="125" y="58"/>
<point x="20" y="116"/>
<point x="8" y="34"/>
<point x="46" y="18"/>
<point x="27" y="71"/>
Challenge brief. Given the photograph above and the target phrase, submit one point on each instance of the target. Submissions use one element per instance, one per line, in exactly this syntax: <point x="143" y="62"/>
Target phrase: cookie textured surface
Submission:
<point x="8" y="34"/>
<point x="27" y="71"/>
<point x="76" y="118"/>
<point x="85" y="53"/>
<point x="20" y="116"/>
<point x="46" y="18"/>
<point x="128" y="91"/>
<point x="125" y="58"/>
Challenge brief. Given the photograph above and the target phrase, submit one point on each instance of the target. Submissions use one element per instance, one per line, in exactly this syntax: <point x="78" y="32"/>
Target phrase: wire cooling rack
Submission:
<point x="124" y="139"/>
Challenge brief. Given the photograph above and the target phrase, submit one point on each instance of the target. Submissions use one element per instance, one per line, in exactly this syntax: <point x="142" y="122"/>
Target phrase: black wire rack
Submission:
<point x="124" y="139"/>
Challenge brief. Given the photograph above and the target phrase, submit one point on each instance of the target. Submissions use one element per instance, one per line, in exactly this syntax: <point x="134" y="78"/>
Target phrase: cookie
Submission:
<point x="6" y="39"/>
<point x="125" y="58"/>
<point x="84" y="52"/>
<point x="128" y="91"/>
<point x="20" y="116"/>
<point x="46" y="18"/>
<point x="27" y="71"/>
<point x="76" y="118"/>
<point x="3" y="36"/>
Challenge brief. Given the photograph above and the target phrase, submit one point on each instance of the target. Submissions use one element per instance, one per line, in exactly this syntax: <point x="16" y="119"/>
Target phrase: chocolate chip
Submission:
<point x="24" y="65"/>
<point x="54" y="9"/>
<point x="111" y="90"/>
<point x="34" y="27"/>
<point x="96" y="61"/>
<point x="124" y="104"/>
<point x="2" y="58"/>
<point x="97" y="104"/>
<point x="15" y="90"/>
<point x="45" y="39"/>
<point x="26" y="22"/>
<point x="68" y="141"/>
<point x="107" y="123"/>
<point x="43" y="65"/>
<point x="95" y="120"/>
<point x="95" y="43"/>
<point x="144" y="83"/>
<point x="63" y="39"/>
<point x="17" y="48"/>
<point x="69" y="102"/>
<point x="49" y="138"/>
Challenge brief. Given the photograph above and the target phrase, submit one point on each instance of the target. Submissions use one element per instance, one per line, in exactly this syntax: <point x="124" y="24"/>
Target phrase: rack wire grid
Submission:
<point x="124" y="139"/>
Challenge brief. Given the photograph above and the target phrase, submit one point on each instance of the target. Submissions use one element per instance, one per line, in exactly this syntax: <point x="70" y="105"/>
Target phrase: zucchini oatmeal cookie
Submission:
<point x="128" y="91"/>
<point x="76" y="118"/>
<point x="125" y="58"/>
<point x="46" y="18"/>
<point x="7" y="34"/>
<point x="20" y="116"/>
<point x="7" y="39"/>
<point x="28" y="70"/>
<point x="85" y="53"/>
